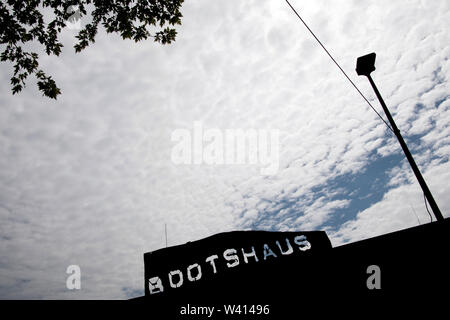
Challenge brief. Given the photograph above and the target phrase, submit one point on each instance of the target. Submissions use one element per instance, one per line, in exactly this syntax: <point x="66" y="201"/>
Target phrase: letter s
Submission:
<point x="302" y="243"/>
<point x="229" y="255"/>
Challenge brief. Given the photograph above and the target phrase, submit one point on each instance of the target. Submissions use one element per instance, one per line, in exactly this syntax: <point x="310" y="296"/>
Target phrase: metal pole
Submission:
<point x="408" y="155"/>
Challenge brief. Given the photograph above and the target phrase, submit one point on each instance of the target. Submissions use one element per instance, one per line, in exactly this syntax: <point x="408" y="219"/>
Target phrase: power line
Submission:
<point x="418" y="220"/>
<point x="426" y="206"/>
<point x="337" y="64"/>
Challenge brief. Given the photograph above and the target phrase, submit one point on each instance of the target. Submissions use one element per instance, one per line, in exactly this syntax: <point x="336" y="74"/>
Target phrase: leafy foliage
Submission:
<point x="22" y="22"/>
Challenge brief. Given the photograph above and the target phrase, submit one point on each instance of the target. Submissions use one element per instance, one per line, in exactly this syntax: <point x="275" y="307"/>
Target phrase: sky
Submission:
<point x="89" y="179"/>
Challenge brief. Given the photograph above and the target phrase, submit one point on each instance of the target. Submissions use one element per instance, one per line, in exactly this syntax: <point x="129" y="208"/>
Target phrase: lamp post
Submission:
<point x="364" y="66"/>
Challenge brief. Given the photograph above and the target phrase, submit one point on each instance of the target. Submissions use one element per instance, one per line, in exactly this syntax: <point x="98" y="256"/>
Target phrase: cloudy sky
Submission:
<point x="89" y="179"/>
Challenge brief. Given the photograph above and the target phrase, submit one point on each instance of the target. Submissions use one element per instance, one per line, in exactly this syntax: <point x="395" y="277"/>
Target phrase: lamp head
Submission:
<point x="365" y="64"/>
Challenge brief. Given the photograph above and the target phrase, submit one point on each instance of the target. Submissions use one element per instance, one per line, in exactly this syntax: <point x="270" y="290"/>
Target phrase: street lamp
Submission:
<point x="364" y="66"/>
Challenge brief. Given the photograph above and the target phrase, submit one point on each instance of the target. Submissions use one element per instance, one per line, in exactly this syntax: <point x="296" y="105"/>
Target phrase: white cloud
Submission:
<point x="400" y="208"/>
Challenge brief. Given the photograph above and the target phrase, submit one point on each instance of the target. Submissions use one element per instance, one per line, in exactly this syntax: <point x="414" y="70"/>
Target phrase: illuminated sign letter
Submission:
<point x="199" y="272"/>
<point x="302" y="243"/>
<point x="229" y="255"/>
<point x="268" y="252"/>
<point x="211" y="259"/>
<point x="155" y="285"/>
<point x="289" y="250"/>
<point x="251" y="254"/>
<point x="180" y="278"/>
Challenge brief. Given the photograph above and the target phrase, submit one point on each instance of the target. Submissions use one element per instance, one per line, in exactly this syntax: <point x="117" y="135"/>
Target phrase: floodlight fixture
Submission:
<point x="365" y="65"/>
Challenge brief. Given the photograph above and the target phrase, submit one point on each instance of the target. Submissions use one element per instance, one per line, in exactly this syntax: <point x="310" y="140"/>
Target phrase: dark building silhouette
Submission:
<point x="288" y="269"/>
